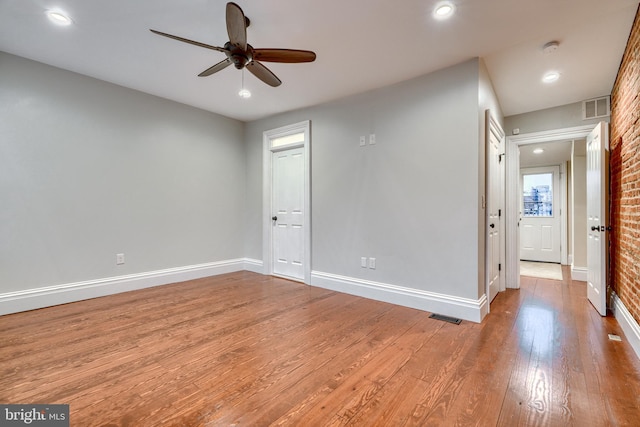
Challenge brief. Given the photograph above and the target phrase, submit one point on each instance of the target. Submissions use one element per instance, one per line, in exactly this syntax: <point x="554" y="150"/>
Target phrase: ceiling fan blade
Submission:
<point x="284" y="55"/>
<point x="263" y="73"/>
<point x="236" y="26"/>
<point x="182" y="39"/>
<point x="219" y="66"/>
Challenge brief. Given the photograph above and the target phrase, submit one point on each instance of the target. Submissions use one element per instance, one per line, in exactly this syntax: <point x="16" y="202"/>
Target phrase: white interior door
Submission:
<point x="540" y="227"/>
<point x="494" y="208"/>
<point x="597" y="216"/>
<point x="288" y="168"/>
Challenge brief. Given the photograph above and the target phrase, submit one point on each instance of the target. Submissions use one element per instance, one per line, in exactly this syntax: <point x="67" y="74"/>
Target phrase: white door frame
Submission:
<point x="513" y="189"/>
<point x="267" y="181"/>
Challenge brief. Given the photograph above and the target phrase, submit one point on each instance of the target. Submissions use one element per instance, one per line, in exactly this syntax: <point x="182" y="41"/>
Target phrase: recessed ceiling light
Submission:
<point x="244" y="93"/>
<point x="443" y="10"/>
<point x="58" y="17"/>
<point x="538" y="151"/>
<point x="551" y="77"/>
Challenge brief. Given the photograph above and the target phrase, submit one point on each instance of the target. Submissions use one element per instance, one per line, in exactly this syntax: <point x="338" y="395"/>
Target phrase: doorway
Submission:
<point x="513" y="205"/>
<point x="287" y="202"/>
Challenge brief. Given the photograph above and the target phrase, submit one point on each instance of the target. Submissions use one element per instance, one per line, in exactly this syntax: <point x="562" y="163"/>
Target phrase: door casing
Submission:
<point x="267" y="196"/>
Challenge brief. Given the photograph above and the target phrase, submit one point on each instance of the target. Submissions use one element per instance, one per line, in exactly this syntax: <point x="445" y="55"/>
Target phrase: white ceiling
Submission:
<point x="361" y="45"/>
<point x="554" y="153"/>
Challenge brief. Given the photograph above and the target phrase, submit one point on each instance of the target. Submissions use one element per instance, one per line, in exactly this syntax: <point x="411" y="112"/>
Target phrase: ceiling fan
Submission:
<point x="243" y="55"/>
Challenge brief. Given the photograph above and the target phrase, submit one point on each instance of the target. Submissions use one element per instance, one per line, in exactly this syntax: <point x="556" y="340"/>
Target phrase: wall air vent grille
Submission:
<point x="596" y="108"/>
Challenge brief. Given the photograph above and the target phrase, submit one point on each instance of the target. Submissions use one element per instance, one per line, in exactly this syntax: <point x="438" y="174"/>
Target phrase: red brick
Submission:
<point x="625" y="175"/>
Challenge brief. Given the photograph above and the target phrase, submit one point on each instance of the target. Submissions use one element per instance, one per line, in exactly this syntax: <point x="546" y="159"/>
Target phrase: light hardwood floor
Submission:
<point x="249" y="350"/>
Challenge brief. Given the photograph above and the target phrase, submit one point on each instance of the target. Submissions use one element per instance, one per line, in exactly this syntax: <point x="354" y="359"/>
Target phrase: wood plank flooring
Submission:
<point x="248" y="350"/>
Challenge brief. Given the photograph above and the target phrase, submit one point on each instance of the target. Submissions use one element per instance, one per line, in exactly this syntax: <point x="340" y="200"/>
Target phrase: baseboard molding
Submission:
<point x="30" y="299"/>
<point x="579" y="273"/>
<point x="254" y="265"/>
<point x="463" y="308"/>
<point x="628" y="324"/>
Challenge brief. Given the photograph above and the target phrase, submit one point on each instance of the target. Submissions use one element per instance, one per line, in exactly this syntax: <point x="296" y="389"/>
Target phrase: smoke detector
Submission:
<point x="550" y="47"/>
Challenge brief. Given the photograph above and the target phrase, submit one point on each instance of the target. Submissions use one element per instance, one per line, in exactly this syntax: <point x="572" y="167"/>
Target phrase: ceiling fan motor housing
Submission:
<point x="239" y="57"/>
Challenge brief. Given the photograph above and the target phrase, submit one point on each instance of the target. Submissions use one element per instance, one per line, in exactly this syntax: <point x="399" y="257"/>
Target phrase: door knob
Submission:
<point x="594" y="228"/>
<point x="492" y="225"/>
<point x="275" y="218"/>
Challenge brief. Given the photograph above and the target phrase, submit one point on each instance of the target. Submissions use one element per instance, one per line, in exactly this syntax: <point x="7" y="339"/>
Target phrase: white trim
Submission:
<point x="30" y="299"/>
<point x="513" y="168"/>
<point x="579" y="273"/>
<point x="463" y="308"/>
<point x="267" y="228"/>
<point x="253" y="265"/>
<point x="628" y="324"/>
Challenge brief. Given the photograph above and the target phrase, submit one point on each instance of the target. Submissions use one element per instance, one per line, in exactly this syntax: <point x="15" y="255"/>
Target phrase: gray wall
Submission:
<point x="411" y="201"/>
<point x="89" y="169"/>
<point x="564" y="116"/>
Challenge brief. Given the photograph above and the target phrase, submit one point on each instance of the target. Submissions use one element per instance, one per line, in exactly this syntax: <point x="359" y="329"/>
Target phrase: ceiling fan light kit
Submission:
<point x="244" y="92"/>
<point x="241" y="54"/>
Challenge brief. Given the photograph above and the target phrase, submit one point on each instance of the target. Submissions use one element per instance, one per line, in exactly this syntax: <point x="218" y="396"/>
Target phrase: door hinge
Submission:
<point x="499" y="267"/>
<point x="499" y="213"/>
<point x="500" y="158"/>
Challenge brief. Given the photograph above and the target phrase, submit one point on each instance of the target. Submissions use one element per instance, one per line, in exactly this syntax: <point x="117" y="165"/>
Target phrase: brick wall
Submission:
<point x="625" y="176"/>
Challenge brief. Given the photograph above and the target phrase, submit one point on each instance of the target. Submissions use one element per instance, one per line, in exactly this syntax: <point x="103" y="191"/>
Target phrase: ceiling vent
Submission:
<point x="596" y="108"/>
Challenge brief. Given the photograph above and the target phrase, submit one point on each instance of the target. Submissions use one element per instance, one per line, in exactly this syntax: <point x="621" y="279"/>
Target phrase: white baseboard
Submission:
<point x="627" y="323"/>
<point x="579" y="273"/>
<point x="30" y="299"/>
<point x="253" y="265"/>
<point x="463" y="308"/>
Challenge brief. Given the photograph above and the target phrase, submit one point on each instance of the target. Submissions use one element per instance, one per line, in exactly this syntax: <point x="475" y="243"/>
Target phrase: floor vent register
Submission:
<point x="445" y="318"/>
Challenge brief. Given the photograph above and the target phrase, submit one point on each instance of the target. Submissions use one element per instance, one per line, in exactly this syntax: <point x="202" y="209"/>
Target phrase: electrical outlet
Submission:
<point x="372" y="263"/>
<point x="372" y="139"/>
<point x="119" y="259"/>
<point x="363" y="141"/>
<point x="363" y="262"/>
